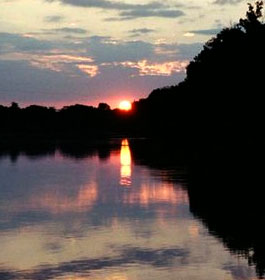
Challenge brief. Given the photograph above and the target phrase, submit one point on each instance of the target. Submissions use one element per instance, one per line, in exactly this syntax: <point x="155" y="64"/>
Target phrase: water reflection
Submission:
<point x="159" y="194"/>
<point x="69" y="219"/>
<point x="59" y="202"/>
<point x="125" y="161"/>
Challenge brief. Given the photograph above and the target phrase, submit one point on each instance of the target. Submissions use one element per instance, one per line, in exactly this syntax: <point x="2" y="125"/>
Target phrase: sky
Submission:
<point x="63" y="52"/>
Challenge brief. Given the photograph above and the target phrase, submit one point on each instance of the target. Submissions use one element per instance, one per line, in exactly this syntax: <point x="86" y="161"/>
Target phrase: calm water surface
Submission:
<point x="103" y="218"/>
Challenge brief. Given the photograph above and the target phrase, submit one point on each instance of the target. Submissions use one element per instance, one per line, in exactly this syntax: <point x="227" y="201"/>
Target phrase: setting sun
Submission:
<point x="125" y="105"/>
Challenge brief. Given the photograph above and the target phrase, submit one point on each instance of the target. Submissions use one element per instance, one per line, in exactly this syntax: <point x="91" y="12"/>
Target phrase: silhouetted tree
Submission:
<point x="253" y="15"/>
<point x="14" y="105"/>
<point x="103" y="107"/>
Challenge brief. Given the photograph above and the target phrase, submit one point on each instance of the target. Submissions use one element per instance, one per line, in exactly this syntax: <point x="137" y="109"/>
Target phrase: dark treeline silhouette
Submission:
<point x="70" y="122"/>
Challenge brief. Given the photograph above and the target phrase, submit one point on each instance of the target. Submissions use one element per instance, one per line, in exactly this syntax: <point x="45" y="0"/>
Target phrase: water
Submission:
<point x="102" y="216"/>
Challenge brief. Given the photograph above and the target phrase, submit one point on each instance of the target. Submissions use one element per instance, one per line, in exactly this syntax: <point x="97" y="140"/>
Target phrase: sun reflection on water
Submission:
<point x="125" y="161"/>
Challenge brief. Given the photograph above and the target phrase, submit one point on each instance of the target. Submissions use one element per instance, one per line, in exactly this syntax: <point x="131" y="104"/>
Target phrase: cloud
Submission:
<point x="212" y="31"/>
<point x="147" y="68"/>
<point x="158" y="258"/>
<point x="111" y="5"/>
<point x="107" y="50"/>
<point x="104" y="49"/>
<point x="24" y="82"/>
<point x="66" y="63"/>
<point x="133" y="14"/>
<point x="69" y="30"/>
<point x="189" y="34"/>
<point x="59" y="62"/>
<point x="54" y="54"/>
<point x="11" y="42"/>
<point x="225" y="2"/>
<point x="52" y="19"/>
<point x="27" y="43"/>
<point x="179" y="51"/>
<point x="142" y="31"/>
<point x="127" y="11"/>
<point x="90" y="70"/>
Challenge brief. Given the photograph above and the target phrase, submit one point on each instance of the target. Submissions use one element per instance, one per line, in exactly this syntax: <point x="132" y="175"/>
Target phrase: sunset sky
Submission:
<point x="61" y="52"/>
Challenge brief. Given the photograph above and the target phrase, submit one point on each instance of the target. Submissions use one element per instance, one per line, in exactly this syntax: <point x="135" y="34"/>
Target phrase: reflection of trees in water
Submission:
<point x="226" y="192"/>
<point x="72" y="149"/>
<point x="239" y="229"/>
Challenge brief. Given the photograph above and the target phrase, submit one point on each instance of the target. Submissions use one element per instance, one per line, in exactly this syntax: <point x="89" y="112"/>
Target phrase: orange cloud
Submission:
<point x="90" y="70"/>
<point x="57" y="62"/>
<point x="147" y="68"/>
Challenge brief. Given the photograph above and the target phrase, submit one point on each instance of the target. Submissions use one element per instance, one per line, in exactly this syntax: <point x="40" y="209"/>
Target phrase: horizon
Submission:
<point x="94" y="105"/>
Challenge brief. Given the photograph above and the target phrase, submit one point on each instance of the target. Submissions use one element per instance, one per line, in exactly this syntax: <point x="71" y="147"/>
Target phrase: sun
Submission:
<point x="125" y="105"/>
